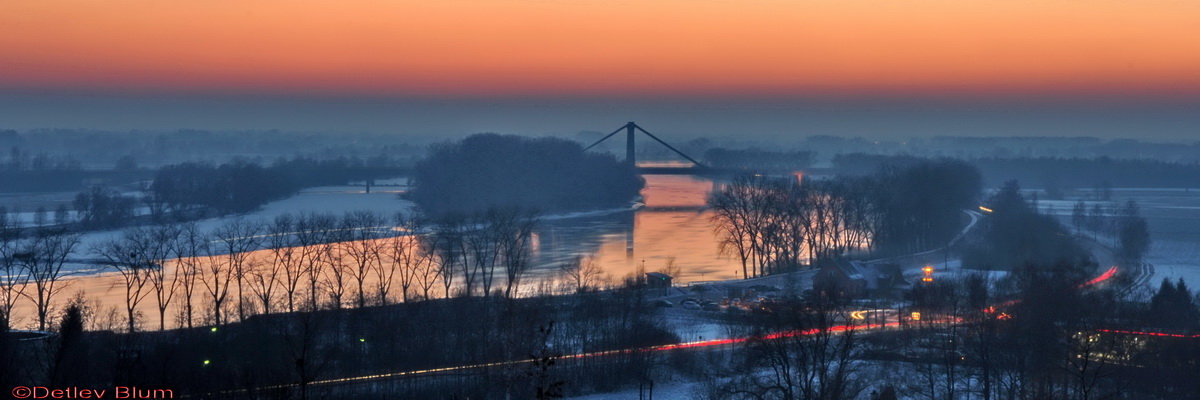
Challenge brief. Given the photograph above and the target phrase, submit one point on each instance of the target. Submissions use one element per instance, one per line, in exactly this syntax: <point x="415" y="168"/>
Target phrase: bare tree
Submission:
<point x="237" y="238"/>
<point x="582" y="273"/>
<point x="217" y="275"/>
<point x="13" y="279"/>
<point x="670" y="268"/>
<point x="313" y="233"/>
<point x="427" y="269"/>
<point x="731" y="213"/>
<point x="364" y="241"/>
<point x="303" y="334"/>
<point x="404" y="256"/>
<point x="515" y="236"/>
<point x="263" y="279"/>
<point x="447" y="240"/>
<point x="132" y="255"/>
<point x="480" y="252"/>
<point x="191" y="252"/>
<point x="940" y="343"/>
<point x="165" y="238"/>
<point x="809" y="355"/>
<point x="287" y="255"/>
<point x="336" y="273"/>
<point x="43" y="258"/>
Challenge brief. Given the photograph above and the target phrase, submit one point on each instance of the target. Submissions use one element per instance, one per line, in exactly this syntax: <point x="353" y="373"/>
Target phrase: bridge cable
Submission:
<point x="698" y="164"/>
<point x="606" y="138"/>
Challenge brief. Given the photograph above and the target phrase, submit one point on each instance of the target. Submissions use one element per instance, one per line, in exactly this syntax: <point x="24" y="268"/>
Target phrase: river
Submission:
<point x="672" y="224"/>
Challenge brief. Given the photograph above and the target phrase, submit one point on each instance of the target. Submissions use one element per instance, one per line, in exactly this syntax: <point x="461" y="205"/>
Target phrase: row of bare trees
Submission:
<point x="475" y="247"/>
<point x="32" y="261"/>
<point x="296" y="262"/>
<point x="777" y="224"/>
<point x="774" y="224"/>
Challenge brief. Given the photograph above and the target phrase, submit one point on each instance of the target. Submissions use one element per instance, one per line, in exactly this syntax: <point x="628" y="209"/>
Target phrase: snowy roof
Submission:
<point x="657" y="275"/>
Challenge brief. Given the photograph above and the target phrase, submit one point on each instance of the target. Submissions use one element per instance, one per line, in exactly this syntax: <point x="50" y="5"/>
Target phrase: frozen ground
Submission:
<point x="332" y="199"/>
<point x="1173" y="216"/>
<point x="1174" y="260"/>
<point x="663" y="391"/>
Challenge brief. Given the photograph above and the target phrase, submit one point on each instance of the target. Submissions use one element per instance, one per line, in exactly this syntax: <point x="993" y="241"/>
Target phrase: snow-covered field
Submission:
<point x="1175" y="260"/>
<point x="662" y="390"/>
<point x="1173" y="216"/>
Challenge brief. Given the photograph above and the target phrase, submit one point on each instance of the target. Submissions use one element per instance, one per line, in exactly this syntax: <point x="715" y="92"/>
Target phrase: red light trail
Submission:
<point x="1157" y="334"/>
<point x="1101" y="278"/>
<point x="1112" y="271"/>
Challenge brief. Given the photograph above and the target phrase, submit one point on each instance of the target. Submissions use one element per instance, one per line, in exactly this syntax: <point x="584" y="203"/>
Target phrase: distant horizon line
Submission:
<point x="570" y="136"/>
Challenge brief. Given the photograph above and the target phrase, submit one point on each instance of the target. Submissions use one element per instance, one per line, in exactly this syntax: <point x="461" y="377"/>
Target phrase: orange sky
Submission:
<point x="590" y="47"/>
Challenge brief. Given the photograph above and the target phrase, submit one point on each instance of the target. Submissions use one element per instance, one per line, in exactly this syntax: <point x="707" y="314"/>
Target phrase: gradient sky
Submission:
<point x="72" y="58"/>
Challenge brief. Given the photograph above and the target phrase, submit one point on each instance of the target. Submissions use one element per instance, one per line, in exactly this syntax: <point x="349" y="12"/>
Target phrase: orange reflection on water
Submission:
<point x="672" y="224"/>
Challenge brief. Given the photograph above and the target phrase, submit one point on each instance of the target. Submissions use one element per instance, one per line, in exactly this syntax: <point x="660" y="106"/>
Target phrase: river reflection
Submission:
<point x="672" y="224"/>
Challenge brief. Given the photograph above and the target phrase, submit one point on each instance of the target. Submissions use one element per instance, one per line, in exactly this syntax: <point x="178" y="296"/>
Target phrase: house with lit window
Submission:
<point x="658" y="280"/>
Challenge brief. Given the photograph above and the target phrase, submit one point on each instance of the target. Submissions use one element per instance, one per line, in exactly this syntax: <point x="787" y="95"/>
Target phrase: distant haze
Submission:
<point x="763" y="68"/>
<point x="890" y="118"/>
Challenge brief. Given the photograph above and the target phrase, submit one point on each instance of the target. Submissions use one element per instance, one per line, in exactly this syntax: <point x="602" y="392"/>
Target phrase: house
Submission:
<point x="840" y="278"/>
<point x="848" y="278"/>
<point x="657" y="280"/>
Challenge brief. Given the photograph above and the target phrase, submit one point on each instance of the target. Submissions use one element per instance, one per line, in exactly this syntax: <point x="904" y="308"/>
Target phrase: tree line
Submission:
<point x="1046" y="329"/>
<point x="32" y="266"/>
<point x="491" y="170"/>
<point x="1054" y="174"/>
<point x="773" y="224"/>
<point x="284" y="355"/>
<point x="184" y="190"/>
<point x="759" y="159"/>
<point x="1123" y="226"/>
<point x="188" y="191"/>
<point x="307" y="261"/>
<point x="1015" y="233"/>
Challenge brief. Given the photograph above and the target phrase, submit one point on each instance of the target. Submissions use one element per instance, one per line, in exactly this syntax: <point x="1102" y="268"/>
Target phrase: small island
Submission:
<point x="491" y="170"/>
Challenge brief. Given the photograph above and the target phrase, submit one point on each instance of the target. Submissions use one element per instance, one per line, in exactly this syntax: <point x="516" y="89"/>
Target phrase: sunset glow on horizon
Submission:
<point x="590" y="47"/>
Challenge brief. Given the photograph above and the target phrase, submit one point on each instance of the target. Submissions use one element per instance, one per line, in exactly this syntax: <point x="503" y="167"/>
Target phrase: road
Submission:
<point x="859" y="315"/>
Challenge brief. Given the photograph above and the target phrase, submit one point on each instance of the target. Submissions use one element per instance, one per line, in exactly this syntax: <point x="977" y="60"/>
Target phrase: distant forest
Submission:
<point x="1051" y="173"/>
<point x="758" y="159"/>
<point x="97" y="149"/>
<point x="778" y="225"/>
<point x="550" y="174"/>
<point x="193" y="190"/>
<point x="241" y="186"/>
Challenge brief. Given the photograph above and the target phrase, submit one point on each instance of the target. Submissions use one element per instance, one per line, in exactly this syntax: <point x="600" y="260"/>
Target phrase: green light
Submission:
<point x="362" y="340"/>
<point x="214" y="329"/>
<point x="206" y="362"/>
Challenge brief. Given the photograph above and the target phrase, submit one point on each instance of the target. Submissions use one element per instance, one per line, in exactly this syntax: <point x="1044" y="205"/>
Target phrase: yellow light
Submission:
<point x="214" y="329"/>
<point x="928" y="269"/>
<point x="916" y="316"/>
<point x="206" y="362"/>
<point x="985" y="209"/>
<point x="927" y="279"/>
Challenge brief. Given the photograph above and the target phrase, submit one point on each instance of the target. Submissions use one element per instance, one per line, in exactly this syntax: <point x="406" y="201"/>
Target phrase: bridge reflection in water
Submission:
<point x="673" y="223"/>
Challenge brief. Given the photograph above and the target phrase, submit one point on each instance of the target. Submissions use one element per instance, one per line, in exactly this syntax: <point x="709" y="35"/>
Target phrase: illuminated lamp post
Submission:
<point x="928" y="274"/>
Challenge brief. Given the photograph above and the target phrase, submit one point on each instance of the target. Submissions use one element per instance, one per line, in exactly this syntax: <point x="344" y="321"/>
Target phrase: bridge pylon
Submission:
<point x="631" y="129"/>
